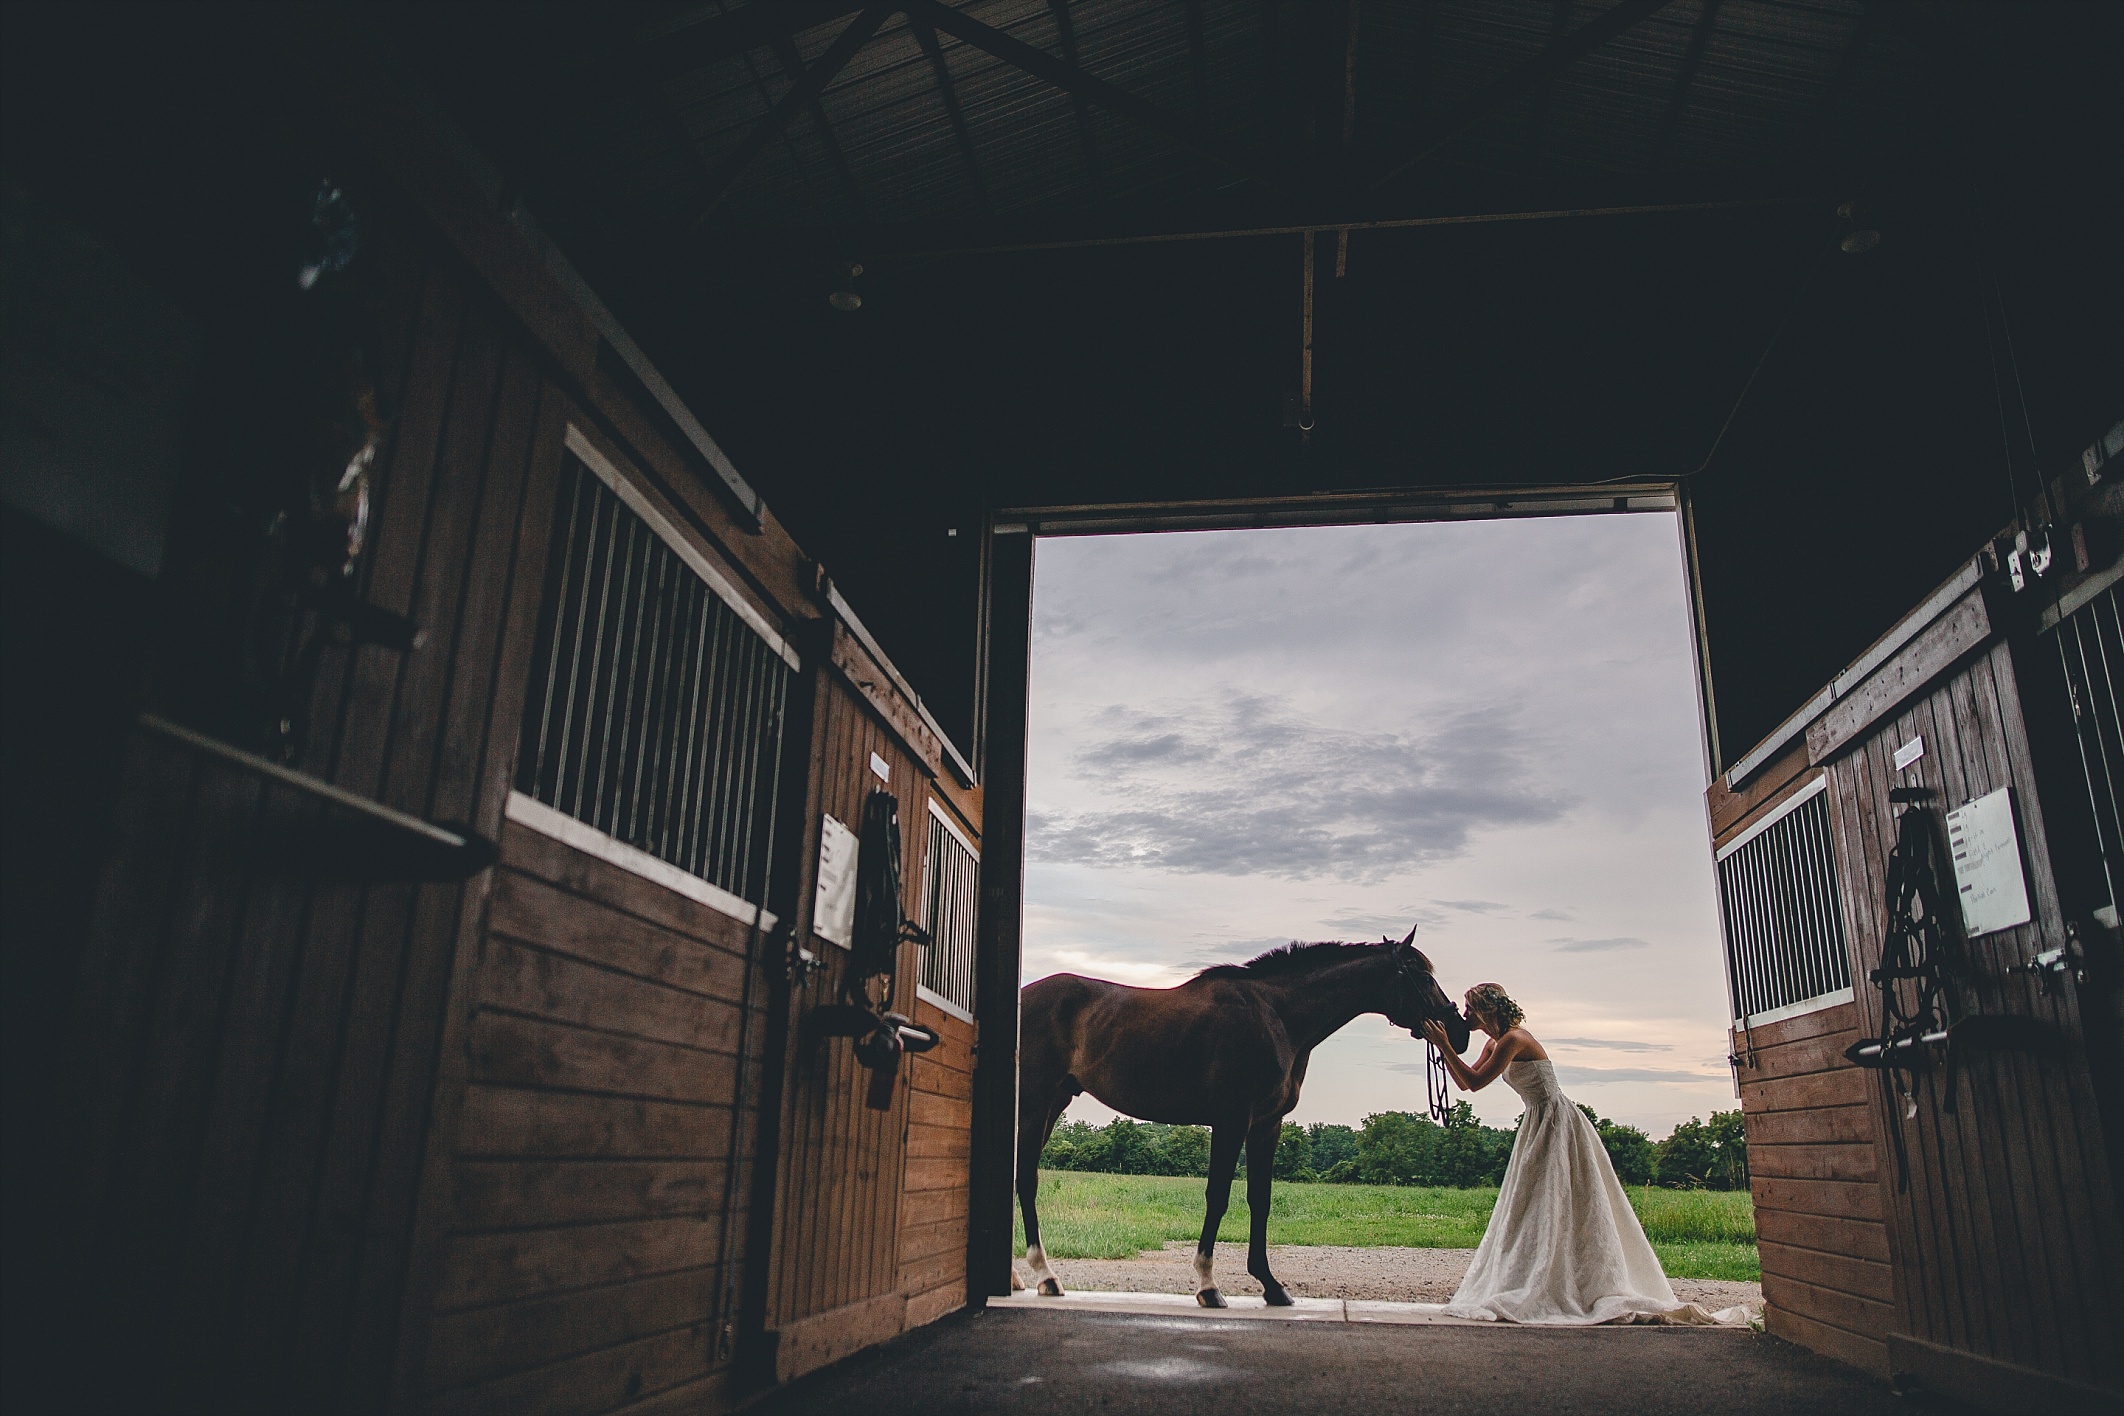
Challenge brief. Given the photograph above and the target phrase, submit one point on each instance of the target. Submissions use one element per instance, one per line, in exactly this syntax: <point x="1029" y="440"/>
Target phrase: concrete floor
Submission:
<point x="1062" y="1363"/>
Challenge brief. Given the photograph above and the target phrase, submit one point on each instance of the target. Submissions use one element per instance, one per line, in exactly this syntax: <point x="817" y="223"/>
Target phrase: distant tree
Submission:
<point x="1630" y="1150"/>
<point x="1394" y="1148"/>
<point x="1329" y="1145"/>
<point x="1688" y="1158"/>
<point x="1061" y="1151"/>
<point x="1731" y="1137"/>
<point x="1294" y="1154"/>
<point x="1706" y="1155"/>
<point x="1181" y="1150"/>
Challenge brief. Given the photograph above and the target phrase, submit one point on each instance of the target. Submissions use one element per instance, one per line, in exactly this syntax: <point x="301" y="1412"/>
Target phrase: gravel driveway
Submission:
<point x="1331" y="1271"/>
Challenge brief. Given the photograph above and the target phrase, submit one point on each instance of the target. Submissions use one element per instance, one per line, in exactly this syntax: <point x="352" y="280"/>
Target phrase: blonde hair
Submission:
<point x="1491" y="1000"/>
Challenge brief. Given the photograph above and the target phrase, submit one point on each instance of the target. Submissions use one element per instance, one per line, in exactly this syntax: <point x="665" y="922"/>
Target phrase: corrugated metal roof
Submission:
<point x="1775" y="81"/>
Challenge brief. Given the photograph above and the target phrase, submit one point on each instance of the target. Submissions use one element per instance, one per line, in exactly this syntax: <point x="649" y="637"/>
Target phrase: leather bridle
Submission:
<point x="1437" y="1083"/>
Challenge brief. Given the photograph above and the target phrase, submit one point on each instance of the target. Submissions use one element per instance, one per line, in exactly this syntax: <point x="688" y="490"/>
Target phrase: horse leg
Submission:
<point x="1260" y="1174"/>
<point x="1033" y="1131"/>
<point x="1224" y="1159"/>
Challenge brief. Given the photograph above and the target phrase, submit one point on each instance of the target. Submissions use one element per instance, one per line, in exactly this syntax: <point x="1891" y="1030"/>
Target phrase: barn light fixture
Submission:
<point x="1863" y="236"/>
<point x="844" y="297"/>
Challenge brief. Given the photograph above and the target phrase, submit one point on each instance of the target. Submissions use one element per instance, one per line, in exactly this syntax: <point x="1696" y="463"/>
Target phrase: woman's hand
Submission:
<point x="1435" y="1034"/>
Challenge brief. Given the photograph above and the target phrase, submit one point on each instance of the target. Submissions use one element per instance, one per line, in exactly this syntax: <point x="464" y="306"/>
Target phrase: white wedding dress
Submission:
<point x="1563" y="1244"/>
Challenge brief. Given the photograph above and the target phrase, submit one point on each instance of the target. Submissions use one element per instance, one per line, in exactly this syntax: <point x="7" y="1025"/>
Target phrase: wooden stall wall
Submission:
<point x="852" y="1180"/>
<point x="255" y="1034"/>
<point x="593" y="1213"/>
<point x="2007" y="1240"/>
<point x="933" y="1203"/>
<point x="1812" y="1168"/>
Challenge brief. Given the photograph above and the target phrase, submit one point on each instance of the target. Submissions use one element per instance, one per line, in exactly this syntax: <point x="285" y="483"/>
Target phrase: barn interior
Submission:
<point x="914" y="285"/>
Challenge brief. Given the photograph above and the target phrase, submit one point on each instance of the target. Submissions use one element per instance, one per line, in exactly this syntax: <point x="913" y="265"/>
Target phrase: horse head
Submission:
<point x="1419" y="999"/>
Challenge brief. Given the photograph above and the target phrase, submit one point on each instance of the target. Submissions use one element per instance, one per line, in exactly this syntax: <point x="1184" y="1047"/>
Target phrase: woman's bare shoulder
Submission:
<point x="1524" y="1047"/>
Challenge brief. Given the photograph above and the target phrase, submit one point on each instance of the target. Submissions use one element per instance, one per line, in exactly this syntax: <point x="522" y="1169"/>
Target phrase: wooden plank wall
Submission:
<point x="933" y="1206"/>
<point x="254" y="1042"/>
<point x="1814" y="1177"/>
<point x="340" y="1145"/>
<point x="584" y="1269"/>
<point x="836" y="1284"/>
<point x="1812" y="1170"/>
<point x="2008" y="1239"/>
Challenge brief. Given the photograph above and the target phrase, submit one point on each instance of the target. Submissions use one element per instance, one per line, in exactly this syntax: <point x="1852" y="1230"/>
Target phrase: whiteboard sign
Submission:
<point x="833" y="904"/>
<point x="1987" y="864"/>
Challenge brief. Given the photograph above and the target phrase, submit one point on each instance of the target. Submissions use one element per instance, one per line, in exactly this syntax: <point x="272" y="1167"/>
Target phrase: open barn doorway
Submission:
<point x="1484" y="721"/>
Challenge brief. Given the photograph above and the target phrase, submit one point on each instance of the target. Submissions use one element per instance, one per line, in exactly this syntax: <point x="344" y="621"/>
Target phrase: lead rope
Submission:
<point x="1437" y="1084"/>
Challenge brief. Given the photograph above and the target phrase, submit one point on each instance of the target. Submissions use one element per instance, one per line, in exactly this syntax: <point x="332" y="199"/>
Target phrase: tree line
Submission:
<point x="1404" y="1148"/>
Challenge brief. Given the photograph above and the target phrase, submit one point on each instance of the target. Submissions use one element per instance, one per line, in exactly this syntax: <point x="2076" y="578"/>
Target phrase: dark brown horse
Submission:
<point x="1227" y="1050"/>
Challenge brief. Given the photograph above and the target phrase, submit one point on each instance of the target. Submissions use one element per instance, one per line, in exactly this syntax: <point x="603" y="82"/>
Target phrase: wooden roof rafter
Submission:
<point x="804" y="91"/>
<point x="926" y="35"/>
<point x="1074" y="80"/>
<point x="1066" y="32"/>
<point x="1527" y="78"/>
<point x="1678" y="101"/>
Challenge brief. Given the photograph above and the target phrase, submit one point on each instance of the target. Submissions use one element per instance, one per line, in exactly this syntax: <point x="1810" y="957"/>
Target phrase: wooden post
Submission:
<point x="997" y="956"/>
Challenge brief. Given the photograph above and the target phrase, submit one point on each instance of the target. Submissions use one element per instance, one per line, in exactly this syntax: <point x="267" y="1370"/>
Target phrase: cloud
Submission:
<point x="1601" y="1076"/>
<point x="1471" y="906"/>
<point x="1591" y="946"/>
<point x="1359" y="925"/>
<point x="1550" y="914"/>
<point x="1250" y="786"/>
<point x="1615" y="1044"/>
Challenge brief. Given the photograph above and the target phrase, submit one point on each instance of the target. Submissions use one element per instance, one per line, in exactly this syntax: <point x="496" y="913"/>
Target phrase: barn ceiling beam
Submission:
<point x="792" y="61"/>
<point x="926" y="240"/>
<point x="1198" y="60"/>
<point x="805" y="90"/>
<point x="1074" y="80"/>
<point x="926" y="36"/>
<point x="697" y="46"/>
<point x="1678" y="101"/>
<point x="1525" y="79"/>
<point x="1067" y="34"/>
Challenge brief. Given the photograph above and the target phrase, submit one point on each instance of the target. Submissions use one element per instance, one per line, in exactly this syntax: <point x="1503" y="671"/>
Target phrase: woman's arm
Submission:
<point x="1495" y="1055"/>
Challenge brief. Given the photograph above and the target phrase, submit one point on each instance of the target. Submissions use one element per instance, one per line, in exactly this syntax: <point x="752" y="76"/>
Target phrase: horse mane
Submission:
<point x="1291" y="958"/>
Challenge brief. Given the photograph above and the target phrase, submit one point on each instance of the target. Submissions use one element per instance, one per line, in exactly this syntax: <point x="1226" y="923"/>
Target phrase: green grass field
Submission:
<point x="1697" y="1233"/>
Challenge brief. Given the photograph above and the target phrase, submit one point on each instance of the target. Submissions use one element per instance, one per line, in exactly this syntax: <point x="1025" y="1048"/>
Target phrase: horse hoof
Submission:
<point x="1276" y="1297"/>
<point x="1050" y="1288"/>
<point x="1211" y="1298"/>
<point x="1016" y="1282"/>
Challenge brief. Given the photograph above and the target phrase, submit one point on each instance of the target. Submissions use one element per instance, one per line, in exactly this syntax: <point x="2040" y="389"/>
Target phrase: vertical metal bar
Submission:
<point x="1839" y="972"/>
<point x="640" y="727"/>
<point x="559" y="644"/>
<point x="1305" y="354"/>
<point x="685" y="714"/>
<point x="732" y="764"/>
<point x="625" y="657"/>
<point x="746" y="805"/>
<point x="1760" y="930"/>
<point x="590" y="632"/>
<point x="703" y="730"/>
<point x="730" y="651"/>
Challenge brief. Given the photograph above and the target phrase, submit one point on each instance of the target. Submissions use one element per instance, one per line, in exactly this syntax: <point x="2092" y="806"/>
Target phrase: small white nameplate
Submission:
<point x="879" y="769"/>
<point x="833" y="904"/>
<point x="1909" y="752"/>
<point x="1987" y="864"/>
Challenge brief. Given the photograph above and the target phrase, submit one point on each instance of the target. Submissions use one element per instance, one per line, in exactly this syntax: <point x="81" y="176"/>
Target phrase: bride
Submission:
<point x="1563" y="1244"/>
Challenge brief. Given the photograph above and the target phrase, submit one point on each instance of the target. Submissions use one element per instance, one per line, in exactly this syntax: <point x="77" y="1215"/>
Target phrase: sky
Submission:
<point x="1486" y="729"/>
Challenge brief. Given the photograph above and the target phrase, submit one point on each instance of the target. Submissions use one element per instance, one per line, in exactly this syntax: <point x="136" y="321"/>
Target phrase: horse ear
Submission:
<point x="1410" y="942"/>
